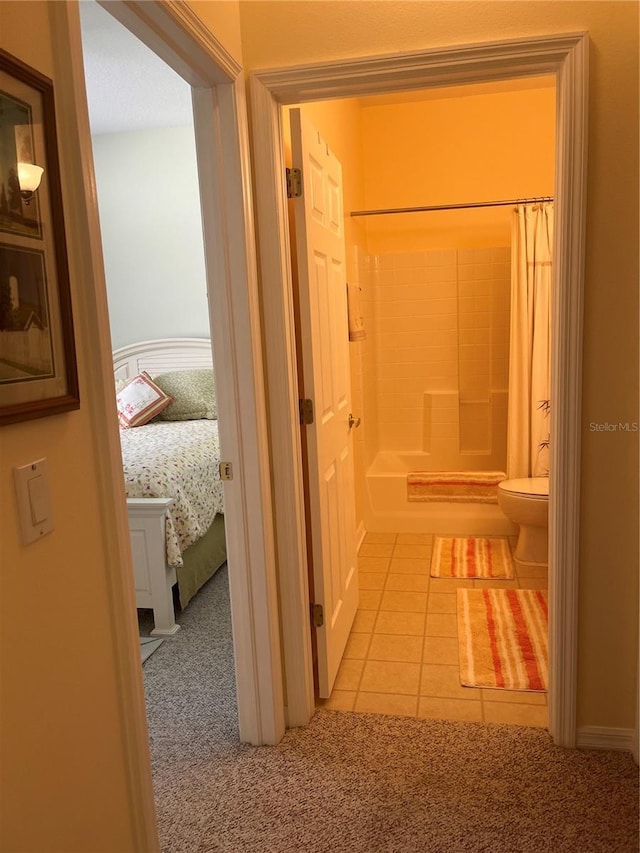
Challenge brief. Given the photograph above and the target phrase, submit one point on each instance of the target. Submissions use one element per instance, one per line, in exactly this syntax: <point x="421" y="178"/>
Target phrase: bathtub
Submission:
<point x="387" y="510"/>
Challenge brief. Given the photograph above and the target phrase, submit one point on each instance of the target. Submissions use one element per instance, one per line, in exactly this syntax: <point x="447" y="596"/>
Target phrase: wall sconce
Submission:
<point x="29" y="177"/>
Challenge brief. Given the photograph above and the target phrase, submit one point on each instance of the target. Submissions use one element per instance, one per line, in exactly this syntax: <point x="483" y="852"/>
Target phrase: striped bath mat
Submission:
<point x="502" y="638"/>
<point x="471" y="557"/>
<point x="454" y="486"/>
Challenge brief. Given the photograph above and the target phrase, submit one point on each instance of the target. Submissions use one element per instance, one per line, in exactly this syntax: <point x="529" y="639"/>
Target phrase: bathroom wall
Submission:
<point x="456" y="145"/>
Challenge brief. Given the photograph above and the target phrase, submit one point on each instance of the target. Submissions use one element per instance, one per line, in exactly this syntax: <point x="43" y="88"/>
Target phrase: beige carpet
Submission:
<point x="502" y="638"/>
<point x="454" y="486"/>
<point x="361" y="783"/>
<point x="471" y="557"/>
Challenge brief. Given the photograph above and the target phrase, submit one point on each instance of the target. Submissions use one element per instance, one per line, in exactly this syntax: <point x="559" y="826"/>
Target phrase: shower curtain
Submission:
<point x="530" y="341"/>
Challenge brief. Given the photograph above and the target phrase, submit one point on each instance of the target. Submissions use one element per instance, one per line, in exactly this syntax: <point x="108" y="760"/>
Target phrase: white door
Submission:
<point x="324" y="344"/>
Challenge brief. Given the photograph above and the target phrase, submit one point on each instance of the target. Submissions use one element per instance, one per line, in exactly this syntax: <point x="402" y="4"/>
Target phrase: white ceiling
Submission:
<point x="128" y="87"/>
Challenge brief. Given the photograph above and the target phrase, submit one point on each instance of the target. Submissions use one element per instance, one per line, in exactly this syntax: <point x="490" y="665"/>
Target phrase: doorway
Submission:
<point x="230" y="264"/>
<point x="430" y="377"/>
<point x="564" y="57"/>
<point x="151" y="231"/>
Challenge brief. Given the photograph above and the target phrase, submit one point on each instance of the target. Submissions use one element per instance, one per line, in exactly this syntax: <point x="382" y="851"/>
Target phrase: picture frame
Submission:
<point x="38" y="370"/>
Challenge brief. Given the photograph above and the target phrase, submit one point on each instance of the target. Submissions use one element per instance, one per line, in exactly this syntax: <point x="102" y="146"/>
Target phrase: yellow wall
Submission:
<point x="64" y="784"/>
<point x="221" y="17"/>
<point x="445" y="150"/>
<point x="285" y="33"/>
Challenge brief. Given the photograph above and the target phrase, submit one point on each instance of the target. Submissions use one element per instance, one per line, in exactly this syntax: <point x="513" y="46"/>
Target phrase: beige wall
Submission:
<point x="64" y="785"/>
<point x="284" y="33"/>
<point x="221" y="17"/>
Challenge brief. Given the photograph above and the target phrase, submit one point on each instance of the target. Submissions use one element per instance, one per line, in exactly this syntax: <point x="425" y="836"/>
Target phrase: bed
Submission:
<point x="171" y="466"/>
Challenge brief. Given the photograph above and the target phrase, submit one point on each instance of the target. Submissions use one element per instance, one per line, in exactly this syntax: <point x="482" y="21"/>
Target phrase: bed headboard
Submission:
<point x="161" y="355"/>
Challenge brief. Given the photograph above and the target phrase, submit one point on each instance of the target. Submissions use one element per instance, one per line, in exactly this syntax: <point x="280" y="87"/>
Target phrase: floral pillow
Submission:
<point x="140" y="400"/>
<point x="193" y="393"/>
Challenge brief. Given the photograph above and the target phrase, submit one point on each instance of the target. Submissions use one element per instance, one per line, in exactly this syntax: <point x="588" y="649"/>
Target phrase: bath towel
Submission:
<point x="357" y="331"/>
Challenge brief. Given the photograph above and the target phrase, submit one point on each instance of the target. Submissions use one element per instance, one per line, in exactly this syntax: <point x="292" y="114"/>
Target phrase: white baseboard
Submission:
<point x="599" y="737"/>
<point x="360" y="534"/>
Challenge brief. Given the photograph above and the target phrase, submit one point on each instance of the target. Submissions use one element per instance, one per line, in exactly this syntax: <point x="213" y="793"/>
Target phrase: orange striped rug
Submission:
<point x="471" y="557"/>
<point x="502" y="638"/>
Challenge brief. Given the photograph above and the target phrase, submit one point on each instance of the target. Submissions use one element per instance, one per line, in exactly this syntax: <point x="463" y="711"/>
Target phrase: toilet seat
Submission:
<point x="534" y="488"/>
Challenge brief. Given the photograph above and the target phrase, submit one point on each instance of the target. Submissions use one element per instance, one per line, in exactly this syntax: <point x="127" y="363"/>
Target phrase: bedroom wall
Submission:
<point x="276" y="34"/>
<point x="149" y="203"/>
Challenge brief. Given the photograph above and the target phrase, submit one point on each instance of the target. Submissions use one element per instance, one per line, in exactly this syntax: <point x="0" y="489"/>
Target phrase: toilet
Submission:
<point x="525" y="502"/>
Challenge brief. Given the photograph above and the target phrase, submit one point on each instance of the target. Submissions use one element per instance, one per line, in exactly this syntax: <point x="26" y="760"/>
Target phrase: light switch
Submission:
<point x="38" y="499"/>
<point x="34" y="501"/>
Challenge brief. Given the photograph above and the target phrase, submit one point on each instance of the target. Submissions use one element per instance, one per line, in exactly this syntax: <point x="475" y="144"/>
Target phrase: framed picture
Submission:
<point x="38" y="375"/>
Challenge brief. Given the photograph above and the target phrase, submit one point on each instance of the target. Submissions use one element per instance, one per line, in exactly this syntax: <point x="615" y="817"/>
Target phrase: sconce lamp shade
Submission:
<point x="29" y="177"/>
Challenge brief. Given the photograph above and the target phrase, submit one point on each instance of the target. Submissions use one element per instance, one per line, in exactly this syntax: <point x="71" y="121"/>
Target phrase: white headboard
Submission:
<point x="161" y="355"/>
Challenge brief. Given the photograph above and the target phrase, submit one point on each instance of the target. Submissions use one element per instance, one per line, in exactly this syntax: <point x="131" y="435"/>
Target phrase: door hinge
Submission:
<point x="226" y="471"/>
<point x="294" y="183"/>
<point x="306" y="411"/>
<point x="317" y="615"/>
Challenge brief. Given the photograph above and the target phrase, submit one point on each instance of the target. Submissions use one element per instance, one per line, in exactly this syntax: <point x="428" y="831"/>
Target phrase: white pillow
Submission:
<point x="140" y="400"/>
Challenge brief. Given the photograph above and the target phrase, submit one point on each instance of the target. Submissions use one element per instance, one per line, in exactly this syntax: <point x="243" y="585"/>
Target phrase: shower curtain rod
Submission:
<point x="512" y="201"/>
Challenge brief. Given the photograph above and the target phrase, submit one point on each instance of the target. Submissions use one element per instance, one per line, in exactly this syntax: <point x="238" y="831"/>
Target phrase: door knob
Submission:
<point x="353" y="422"/>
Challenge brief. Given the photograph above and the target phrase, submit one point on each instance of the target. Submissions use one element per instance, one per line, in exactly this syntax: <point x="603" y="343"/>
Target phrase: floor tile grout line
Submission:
<point x="430" y="589"/>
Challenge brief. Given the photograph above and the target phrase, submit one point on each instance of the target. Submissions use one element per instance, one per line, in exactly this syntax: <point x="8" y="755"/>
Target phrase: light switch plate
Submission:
<point x="34" y="500"/>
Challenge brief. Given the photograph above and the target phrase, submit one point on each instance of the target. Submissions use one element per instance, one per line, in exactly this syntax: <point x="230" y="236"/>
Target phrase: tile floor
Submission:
<point x="402" y="655"/>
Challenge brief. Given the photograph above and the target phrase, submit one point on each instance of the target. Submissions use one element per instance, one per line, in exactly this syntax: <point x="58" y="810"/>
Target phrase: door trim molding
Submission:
<point x="565" y="56"/>
<point x="222" y="145"/>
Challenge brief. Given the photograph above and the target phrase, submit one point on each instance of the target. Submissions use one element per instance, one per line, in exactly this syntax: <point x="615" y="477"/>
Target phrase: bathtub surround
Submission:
<point x="441" y="321"/>
<point x="473" y="557"/>
<point x="388" y="509"/>
<point x="436" y="369"/>
<point x="503" y="638"/>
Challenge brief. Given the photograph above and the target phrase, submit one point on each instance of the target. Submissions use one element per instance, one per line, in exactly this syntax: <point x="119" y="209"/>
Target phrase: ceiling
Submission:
<point x="130" y="88"/>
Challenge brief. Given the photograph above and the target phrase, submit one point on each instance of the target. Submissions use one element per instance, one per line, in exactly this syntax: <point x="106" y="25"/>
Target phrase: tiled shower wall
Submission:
<point x="440" y="354"/>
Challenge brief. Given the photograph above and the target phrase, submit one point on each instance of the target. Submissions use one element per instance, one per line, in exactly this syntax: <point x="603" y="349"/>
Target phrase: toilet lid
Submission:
<point x="534" y="486"/>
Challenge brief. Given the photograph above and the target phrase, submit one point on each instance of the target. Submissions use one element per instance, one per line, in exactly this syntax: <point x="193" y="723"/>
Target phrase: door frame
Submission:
<point x="566" y="57"/>
<point x="175" y="33"/>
